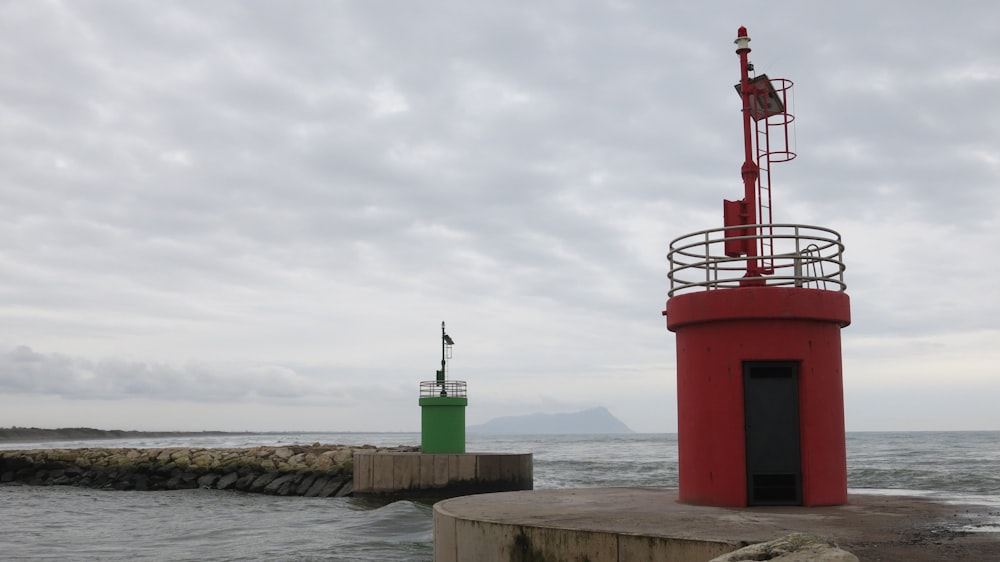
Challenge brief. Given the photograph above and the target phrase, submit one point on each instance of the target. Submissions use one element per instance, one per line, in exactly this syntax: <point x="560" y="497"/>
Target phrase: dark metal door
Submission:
<point x="771" y="406"/>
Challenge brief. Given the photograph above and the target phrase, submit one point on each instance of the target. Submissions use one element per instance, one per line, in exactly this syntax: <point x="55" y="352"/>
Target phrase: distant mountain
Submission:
<point x="594" y="420"/>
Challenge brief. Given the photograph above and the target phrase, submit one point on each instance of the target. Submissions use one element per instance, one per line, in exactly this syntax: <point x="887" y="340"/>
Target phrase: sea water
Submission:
<point x="64" y="523"/>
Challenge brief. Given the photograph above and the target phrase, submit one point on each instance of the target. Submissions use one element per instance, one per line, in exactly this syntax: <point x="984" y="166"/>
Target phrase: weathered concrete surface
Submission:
<point x="441" y="475"/>
<point x="631" y="524"/>
<point x="797" y="547"/>
<point x="293" y="470"/>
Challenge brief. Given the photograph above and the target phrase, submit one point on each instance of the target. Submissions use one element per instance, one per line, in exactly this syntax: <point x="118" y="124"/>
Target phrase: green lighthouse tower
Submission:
<point x="442" y="408"/>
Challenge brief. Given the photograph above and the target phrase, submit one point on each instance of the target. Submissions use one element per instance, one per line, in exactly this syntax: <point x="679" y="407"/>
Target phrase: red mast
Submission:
<point x="750" y="170"/>
<point x="748" y="222"/>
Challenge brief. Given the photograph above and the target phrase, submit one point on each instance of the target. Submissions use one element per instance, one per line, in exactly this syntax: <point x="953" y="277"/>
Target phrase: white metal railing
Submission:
<point x="434" y="389"/>
<point x="801" y="256"/>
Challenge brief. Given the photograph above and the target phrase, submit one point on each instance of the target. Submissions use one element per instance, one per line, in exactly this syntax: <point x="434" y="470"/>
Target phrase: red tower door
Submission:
<point x="773" y="452"/>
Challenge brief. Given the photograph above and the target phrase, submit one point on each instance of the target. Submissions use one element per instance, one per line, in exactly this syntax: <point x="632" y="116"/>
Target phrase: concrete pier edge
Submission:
<point x="629" y="524"/>
<point x="440" y="475"/>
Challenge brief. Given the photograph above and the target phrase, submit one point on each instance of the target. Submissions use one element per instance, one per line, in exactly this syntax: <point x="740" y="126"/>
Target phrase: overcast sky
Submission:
<point x="255" y="215"/>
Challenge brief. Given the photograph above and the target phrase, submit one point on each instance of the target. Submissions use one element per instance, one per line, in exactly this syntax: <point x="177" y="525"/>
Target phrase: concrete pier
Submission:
<point x="631" y="524"/>
<point x="440" y="475"/>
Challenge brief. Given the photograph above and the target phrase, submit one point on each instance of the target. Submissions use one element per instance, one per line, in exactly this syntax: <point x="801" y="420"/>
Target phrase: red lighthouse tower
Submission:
<point x="757" y="309"/>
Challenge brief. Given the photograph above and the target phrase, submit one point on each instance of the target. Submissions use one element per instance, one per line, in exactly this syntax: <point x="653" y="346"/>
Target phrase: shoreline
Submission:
<point x="39" y="435"/>
<point x="9" y="435"/>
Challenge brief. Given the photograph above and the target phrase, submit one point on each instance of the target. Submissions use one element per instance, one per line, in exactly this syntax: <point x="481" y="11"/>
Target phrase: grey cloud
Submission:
<point x="239" y="179"/>
<point x="24" y="371"/>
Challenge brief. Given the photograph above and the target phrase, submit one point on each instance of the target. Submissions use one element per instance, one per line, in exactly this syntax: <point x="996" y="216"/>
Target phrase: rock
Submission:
<point x="100" y="480"/>
<point x="230" y="460"/>
<point x="181" y="480"/>
<point x="204" y="460"/>
<point x="62" y="481"/>
<point x="343" y="455"/>
<point x="305" y="484"/>
<point x="243" y="484"/>
<point x="207" y="480"/>
<point x="281" y="485"/>
<point x="325" y="461"/>
<point x="261" y="482"/>
<point x="797" y="547"/>
<point x="347" y="489"/>
<point x="331" y="487"/>
<point x="227" y="481"/>
<point x="316" y="487"/>
<point x="317" y="470"/>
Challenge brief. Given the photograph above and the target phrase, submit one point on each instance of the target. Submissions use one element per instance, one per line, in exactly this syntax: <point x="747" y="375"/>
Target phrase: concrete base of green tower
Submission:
<point x="437" y="476"/>
<point x="628" y="524"/>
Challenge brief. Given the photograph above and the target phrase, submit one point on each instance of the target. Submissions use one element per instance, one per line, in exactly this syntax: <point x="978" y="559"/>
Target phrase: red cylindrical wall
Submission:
<point x="717" y="331"/>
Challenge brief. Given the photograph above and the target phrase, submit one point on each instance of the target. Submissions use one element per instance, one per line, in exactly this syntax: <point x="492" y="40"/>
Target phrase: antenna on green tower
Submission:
<point x="446" y="343"/>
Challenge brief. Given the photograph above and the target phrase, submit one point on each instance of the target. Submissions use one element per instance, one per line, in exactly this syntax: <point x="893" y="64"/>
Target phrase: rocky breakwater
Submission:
<point x="294" y="470"/>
